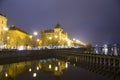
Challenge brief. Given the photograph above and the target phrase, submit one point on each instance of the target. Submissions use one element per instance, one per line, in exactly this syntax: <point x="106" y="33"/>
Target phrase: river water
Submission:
<point x="47" y="69"/>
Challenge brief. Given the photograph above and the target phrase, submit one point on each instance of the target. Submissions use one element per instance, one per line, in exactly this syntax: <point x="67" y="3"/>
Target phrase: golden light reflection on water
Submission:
<point x="13" y="70"/>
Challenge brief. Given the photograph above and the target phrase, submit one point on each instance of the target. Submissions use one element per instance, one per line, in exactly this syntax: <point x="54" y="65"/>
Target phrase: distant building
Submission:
<point x="55" y="37"/>
<point x="3" y="28"/>
<point x="110" y="49"/>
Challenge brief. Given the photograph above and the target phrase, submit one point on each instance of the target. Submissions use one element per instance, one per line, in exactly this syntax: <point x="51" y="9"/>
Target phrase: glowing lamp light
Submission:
<point x="105" y="49"/>
<point x="30" y="36"/>
<point x="56" y="36"/>
<point x="34" y="74"/>
<point x="50" y="66"/>
<point x="69" y="43"/>
<point x="35" y="33"/>
<point x="74" y="39"/>
<point x="38" y="40"/>
<point x="8" y="37"/>
<point x="58" y="63"/>
<point x="73" y="64"/>
<point x="30" y="70"/>
<point x="66" y="65"/>
<point x="50" y="38"/>
<point x="6" y="75"/>
<point x="37" y="68"/>
<point x="6" y="28"/>
<point x="56" y="68"/>
<point x="21" y="48"/>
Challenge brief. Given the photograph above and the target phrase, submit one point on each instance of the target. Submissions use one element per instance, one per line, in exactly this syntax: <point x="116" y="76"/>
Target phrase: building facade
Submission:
<point x="55" y="37"/>
<point x="17" y="38"/>
<point x="3" y="28"/>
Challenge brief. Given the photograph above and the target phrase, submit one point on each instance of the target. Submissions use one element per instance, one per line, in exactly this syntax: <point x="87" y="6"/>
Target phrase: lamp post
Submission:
<point x="50" y="41"/>
<point x="35" y="34"/>
<point x="35" y="38"/>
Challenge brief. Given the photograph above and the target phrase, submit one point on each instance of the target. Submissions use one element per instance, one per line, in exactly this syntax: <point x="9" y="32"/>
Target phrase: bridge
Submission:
<point x="105" y="64"/>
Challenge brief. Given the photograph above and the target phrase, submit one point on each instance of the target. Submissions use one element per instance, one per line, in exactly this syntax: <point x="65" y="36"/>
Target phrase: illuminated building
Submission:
<point x="77" y="42"/>
<point x="3" y="28"/>
<point x="55" y="37"/>
<point x="17" y="38"/>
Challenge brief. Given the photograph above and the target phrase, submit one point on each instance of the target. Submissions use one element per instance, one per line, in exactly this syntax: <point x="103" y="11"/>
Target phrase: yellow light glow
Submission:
<point x="56" y="68"/>
<point x="78" y="41"/>
<point x="35" y="33"/>
<point x="58" y="63"/>
<point x="50" y="38"/>
<point x="37" y="68"/>
<point x="38" y="40"/>
<point x="66" y="65"/>
<point x="30" y="70"/>
<point x="6" y="28"/>
<point x="74" y="39"/>
<point x="34" y="74"/>
<point x="30" y="36"/>
<point x="6" y="75"/>
<point x="8" y="37"/>
<point x="50" y="66"/>
<point x="56" y="36"/>
<point x="68" y="42"/>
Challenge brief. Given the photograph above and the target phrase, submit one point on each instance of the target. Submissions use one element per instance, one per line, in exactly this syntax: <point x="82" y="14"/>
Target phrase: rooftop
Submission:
<point x="58" y="26"/>
<point x="2" y="15"/>
<point x="16" y="28"/>
<point x="49" y="30"/>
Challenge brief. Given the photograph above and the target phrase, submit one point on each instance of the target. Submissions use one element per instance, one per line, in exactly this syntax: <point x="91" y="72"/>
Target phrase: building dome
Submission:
<point x="58" y="26"/>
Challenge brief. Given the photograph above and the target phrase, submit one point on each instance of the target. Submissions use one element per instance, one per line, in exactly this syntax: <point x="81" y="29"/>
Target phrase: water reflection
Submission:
<point x="53" y="66"/>
<point x="48" y="69"/>
<point x="10" y="71"/>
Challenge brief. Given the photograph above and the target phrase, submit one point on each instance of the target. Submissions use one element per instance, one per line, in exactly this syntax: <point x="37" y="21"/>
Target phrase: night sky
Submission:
<point x="91" y="21"/>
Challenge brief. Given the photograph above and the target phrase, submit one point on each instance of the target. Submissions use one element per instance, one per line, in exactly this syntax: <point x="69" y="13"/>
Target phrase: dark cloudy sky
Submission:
<point x="91" y="21"/>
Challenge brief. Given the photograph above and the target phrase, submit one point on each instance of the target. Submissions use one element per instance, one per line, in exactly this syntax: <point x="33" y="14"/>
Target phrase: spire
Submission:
<point x="58" y="26"/>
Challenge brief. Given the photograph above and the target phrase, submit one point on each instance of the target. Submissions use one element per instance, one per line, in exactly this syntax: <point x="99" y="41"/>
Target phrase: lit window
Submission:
<point x="2" y="22"/>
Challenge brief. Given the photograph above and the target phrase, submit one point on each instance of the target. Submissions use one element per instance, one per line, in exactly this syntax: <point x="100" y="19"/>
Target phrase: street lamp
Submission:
<point x="38" y="40"/>
<point x="6" y="75"/>
<point x="35" y="33"/>
<point x="37" y="68"/>
<point x="50" y="41"/>
<point x="5" y="29"/>
<point x="50" y="66"/>
<point x="35" y="39"/>
<point x="8" y="38"/>
<point x="30" y="36"/>
<point x="50" y="38"/>
<point x="34" y="74"/>
<point x="30" y="70"/>
<point x="56" y="68"/>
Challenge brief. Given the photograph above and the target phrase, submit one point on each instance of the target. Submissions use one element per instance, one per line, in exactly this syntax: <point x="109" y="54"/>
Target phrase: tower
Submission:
<point x="58" y="28"/>
<point x="58" y="31"/>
